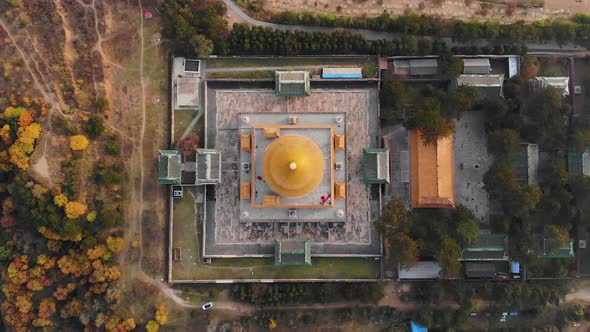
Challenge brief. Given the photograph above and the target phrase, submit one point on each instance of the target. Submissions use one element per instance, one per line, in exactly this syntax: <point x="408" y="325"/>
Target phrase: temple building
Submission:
<point x="432" y="171"/>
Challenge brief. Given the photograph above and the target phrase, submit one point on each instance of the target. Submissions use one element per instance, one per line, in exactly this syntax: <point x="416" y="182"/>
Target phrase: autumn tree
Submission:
<point x="75" y="209"/>
<point x="189" y="144"/>
<point x="152" y="326"/>
<point x="60" y="200"/>
<point x="203" y="46"/>
<point x="162" y="315"/>
<point x="115" y="244"/>
<point x="78" y="142"/>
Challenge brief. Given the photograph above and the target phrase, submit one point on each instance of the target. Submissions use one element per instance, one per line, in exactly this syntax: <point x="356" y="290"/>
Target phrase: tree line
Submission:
<point x="246" y="40"/>
<point x="199" y="29"/>
<point x="561" y="31"/>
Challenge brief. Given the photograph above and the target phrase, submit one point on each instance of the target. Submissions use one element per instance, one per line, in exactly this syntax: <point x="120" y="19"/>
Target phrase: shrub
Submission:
<point x="95" y="126"/>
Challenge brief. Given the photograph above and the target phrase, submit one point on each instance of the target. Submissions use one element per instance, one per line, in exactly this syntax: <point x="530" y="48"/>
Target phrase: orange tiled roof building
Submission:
<point x="432" y="172"/>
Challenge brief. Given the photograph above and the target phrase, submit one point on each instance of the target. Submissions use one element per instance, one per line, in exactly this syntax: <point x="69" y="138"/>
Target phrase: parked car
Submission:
<point x="208" y="305"/>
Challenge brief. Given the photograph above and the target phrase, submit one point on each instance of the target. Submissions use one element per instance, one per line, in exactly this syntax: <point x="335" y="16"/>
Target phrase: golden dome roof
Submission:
<point x="293" y="166"/>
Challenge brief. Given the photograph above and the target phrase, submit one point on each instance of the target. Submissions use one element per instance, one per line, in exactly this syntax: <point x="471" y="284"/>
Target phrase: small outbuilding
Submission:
<point x="415" y="67"/>
<point x="292" y="83"/>
<point x="342" y="72"/>
<point x="559" y="83"/>
<point x="187" y="96"/>
<point x="476" y="66"/>
<point x="489" y="85"/>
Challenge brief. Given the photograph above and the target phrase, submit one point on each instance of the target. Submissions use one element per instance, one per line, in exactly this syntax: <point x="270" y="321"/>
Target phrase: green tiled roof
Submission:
<point x="293" y="252"/>
<point x="551" y="251"/>
<point x="169" y="167"/>
<point x="376" y="166"/>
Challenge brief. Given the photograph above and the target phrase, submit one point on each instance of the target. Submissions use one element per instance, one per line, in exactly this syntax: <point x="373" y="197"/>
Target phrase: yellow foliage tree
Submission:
<point x="5" y="134"/>
<point x="21" y="149"/>
<point x="152" y="326"/>
<point x="78" y="142"/>
<point x="75" y="209"/>
<point x="60" y="200"/>
<point x="115" y="244"/>
<point x="162" y="315"/>
<point x="42" y="322"/>
<point x="113" y="273"/>
<point x="91" y="217"/>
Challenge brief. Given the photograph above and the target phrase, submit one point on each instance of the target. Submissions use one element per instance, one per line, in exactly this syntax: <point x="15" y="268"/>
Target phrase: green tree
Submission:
<point x="451" y="67"/>
<point x="559" y="235"/>
<point x="499" y="178"/>
<point x="503" y="142"/>
<point x="429" y="119"/>
<point x="95" y="126"/>
<point x="448" y="257"/>
<point x="404" y="249"/>
<point x="393" y="99"/>
<point x="521" y="199"/>
<point x="459" y="102"/>
<point x="394" y="217"/>
<point x="546" y="118"/>
<point x="467" y="225"/>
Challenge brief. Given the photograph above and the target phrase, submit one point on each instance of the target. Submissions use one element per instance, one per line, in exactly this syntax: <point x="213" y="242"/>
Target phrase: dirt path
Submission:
<point x="141" y="138"/>
<point x="582" y="294"/>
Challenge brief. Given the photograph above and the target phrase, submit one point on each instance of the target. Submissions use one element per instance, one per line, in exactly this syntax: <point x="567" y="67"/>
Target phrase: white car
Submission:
<point x="207" y="306"/>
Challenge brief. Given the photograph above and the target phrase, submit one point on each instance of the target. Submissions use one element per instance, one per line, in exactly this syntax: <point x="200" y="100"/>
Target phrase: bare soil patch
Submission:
<point x="459" y="9"/>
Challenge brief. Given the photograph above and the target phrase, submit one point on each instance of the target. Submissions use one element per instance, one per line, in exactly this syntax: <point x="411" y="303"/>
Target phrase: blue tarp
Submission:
<point x="515" y="267"/>
<point x="417" y="327"/>
<point x="359" y="75"/>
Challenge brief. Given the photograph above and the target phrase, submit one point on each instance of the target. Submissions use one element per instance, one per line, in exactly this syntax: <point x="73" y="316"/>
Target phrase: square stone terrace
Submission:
<point x="226" y="236"/>
<point x="472" y="161"/>
<point x="334" y="124"/>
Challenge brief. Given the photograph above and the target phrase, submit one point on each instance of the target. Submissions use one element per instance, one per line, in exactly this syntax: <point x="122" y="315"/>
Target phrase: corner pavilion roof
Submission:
<point x="432" y="172"/>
